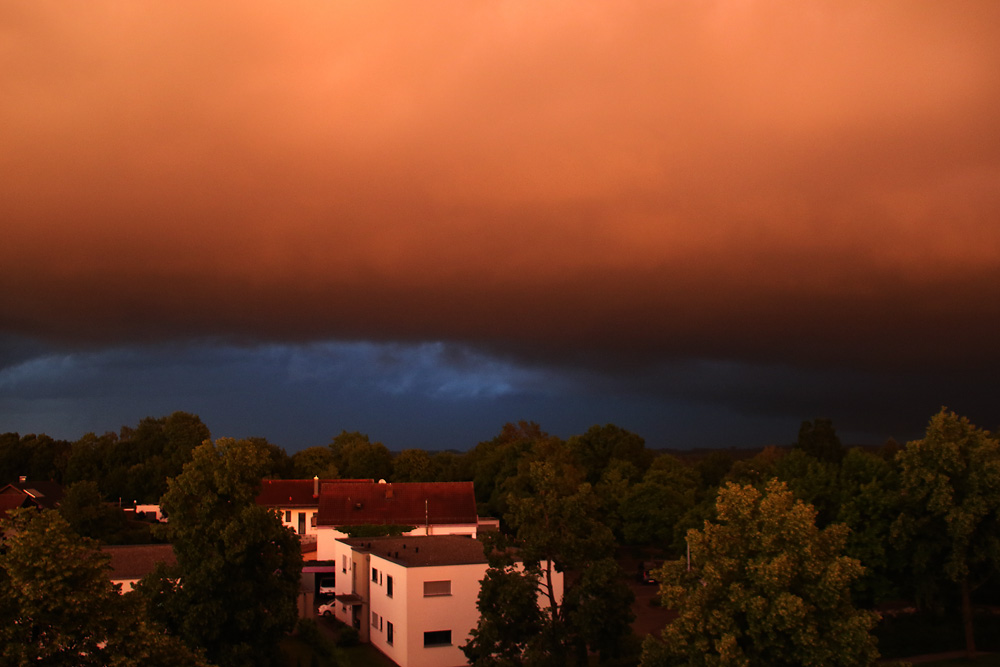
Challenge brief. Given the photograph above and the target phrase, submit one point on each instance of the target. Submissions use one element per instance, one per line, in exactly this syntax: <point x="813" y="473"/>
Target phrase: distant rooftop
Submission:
<point x="47" y="495"/>
<point x="411" y="503"/>
<point x="135" y="561"/>
<point x="296" y="492"/>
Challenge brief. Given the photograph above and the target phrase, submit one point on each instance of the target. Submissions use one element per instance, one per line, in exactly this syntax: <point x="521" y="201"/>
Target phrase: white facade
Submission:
<point x="419" y="615"/>
<point x="428" y="629"/>
<point x="302" y="520"/>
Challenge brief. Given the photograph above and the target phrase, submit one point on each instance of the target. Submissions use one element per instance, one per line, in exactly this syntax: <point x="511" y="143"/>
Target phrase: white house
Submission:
<point x="413" y="597"/>
<point x="432" y="508"/>
<point x="296" y="501"/>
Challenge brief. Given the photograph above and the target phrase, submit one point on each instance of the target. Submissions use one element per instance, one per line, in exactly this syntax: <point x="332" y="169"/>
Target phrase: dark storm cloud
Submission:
<point x="804" y="195"/>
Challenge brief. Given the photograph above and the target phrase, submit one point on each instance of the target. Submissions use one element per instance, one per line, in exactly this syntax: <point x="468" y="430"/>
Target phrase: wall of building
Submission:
<point x="412" y="614"/>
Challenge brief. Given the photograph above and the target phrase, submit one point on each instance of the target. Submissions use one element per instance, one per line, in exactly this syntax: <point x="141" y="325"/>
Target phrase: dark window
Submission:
<point x="437" y="638"/>
<point x="388" y="631"/>
<point x="288" y="516"/>
<point x="374" y="575"/>
<point x="388" y="585"/>
<point x="433" y="588"/>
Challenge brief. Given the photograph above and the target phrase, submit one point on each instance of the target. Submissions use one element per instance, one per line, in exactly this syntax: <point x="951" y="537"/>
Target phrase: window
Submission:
<point x="432" y="588"/>
<point x="374" y="621"/>
<point x="343" y="564"/>
<point x="288" y="516"/>
<point x="437" y="638"/>
<point x="374" y="575"/>
<point x="388" y="631"/>
<point x="388" y="585"/>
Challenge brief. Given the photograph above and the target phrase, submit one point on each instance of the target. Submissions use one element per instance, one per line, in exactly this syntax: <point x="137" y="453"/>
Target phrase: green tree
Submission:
<point x="56" y="593"/>
<point x="315" y="462"/>
<point x="58" y="606"/>
<point x="495" y="462"/>
<point x="950" y="519"/>
<point x="819" y="439"/>
<point x="558" y="528"/>
<point x="89" y="515"/>
<point x="655" y="506"/>
<point x="510" y="621"/>
<point x="413" y="465"/>
<point x="233" y="590"/>
<point x="812" y="480"/>
<point x="612" y="489"/>
<point x="767" y="588"/>
<point x="600" y="445"/>
<point x="357" y="457"/>
<point x="38" y="457"/>
<point x="869" y="504"/>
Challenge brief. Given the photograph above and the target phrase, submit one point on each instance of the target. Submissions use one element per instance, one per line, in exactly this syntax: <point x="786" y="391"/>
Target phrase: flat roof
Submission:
<point x="421" y="550"/>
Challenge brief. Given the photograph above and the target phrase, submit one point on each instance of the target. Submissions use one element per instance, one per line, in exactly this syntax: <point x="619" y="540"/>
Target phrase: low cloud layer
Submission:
<point x="616" y="189"/>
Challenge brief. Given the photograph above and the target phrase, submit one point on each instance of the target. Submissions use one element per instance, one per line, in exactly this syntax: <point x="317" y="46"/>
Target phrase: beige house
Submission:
<point x="296" y="501"/>
<point x="413" y="597"/>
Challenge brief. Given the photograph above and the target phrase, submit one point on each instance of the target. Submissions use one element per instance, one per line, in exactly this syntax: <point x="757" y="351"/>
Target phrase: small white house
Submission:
<point x="296" y="501"/>
<point x="424" y="508"/>
<point x="413" y="597"/>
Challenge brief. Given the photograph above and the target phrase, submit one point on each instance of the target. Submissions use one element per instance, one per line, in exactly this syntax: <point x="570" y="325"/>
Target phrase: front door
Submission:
<point x="302" y="523"/>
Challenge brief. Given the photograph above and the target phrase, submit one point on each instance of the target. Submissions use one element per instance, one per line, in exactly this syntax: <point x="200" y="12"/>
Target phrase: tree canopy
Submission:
<point x="950" y="518"/>
<point x="233" y="591"/>
<point x="766" y="588"/>
<point x="58" y="606"/>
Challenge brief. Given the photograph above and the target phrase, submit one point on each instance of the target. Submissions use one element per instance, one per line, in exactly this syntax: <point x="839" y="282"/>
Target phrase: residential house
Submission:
<point x="431" y="508"/>
<point x="413" y="597"/>
<point x="132" y="562"/>
<point x="24" y="493"/>
<point x="297" y="501"/>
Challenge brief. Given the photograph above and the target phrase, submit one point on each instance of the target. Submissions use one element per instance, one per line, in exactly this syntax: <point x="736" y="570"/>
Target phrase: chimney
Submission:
<point x="316" y="486"/>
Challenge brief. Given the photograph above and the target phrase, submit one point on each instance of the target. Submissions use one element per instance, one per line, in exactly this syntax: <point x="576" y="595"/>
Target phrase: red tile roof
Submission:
<point x="46" y="495"/>
<point x="294" y="492"/>
<point x="410" y="504"/>
<point x="11" y="501"/>
<point x="135" y="561"/>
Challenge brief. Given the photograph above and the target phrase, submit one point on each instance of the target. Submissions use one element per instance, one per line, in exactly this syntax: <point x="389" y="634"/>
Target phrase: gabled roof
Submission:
<point x="294" y="492"/>
<point x="135" y="561"/>
<point x="46" y="495"/>
<point x="422" y="550"/>
<point x="13" y="500"/>
<point x="411" y="504"/>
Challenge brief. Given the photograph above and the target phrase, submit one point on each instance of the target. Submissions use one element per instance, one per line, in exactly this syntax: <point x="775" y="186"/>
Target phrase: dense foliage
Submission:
<point x="58" y="606"/>
<point x="922" y="519"/>
<point x="764" y="588"/>
<point x="234" y="589"/>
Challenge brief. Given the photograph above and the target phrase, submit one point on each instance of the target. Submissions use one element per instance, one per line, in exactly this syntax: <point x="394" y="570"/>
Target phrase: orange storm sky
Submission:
<point x="814" y="183"/>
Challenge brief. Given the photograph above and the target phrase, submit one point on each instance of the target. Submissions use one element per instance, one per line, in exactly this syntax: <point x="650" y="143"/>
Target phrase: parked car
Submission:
<point x="646" y="569"/>
<point x="327" y="586"/>
<point x="326" y="609"/>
